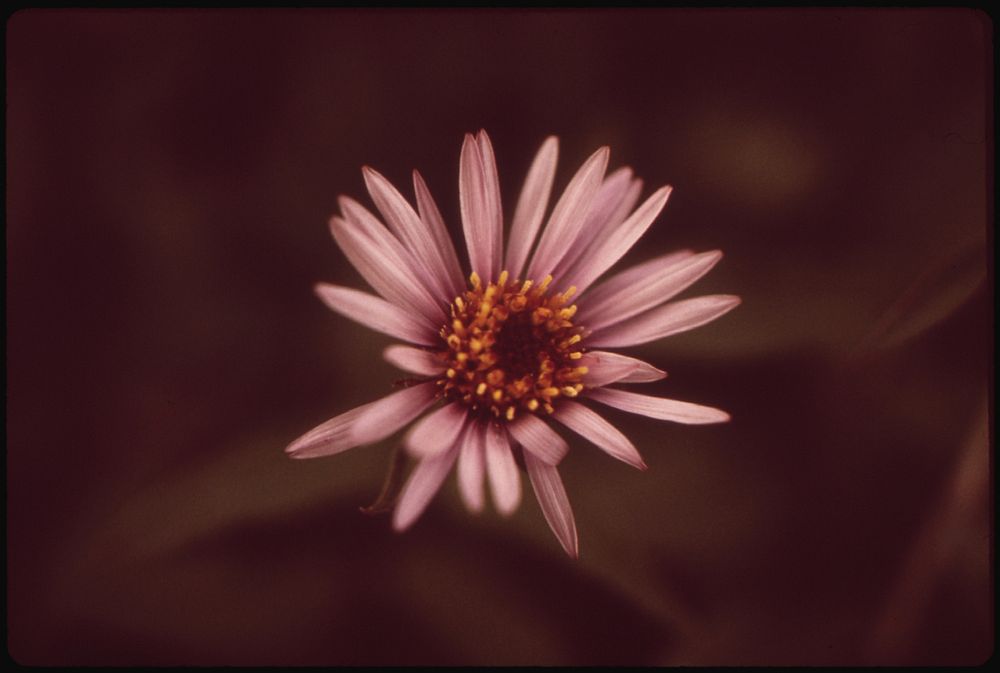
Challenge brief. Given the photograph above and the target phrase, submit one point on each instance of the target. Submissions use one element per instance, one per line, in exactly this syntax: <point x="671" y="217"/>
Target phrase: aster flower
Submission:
<point x="517" y="346"/>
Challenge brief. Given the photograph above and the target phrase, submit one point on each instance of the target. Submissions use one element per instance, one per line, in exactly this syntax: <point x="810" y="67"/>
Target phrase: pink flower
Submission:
<point x="509" y="352"/>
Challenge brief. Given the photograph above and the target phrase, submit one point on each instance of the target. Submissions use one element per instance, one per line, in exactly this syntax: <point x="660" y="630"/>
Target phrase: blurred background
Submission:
<point x="169" y="179"/>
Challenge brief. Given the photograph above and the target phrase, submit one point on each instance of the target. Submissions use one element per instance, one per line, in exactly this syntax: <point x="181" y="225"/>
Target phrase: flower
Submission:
<point x="521" y="344"/>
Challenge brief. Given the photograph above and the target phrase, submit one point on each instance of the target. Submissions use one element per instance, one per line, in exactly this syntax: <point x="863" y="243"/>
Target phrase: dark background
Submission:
<point x="169" y="179"/>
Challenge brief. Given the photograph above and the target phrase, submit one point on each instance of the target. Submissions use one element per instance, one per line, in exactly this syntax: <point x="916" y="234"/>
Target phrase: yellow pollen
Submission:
<point x="509" y="347"/>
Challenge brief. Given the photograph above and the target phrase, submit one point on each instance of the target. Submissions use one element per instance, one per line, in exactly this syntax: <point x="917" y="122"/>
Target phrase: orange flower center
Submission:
<point x="511" y="347"/>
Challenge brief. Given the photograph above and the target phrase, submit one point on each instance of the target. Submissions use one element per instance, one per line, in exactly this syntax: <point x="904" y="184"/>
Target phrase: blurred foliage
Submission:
<point x="170" y="174"/>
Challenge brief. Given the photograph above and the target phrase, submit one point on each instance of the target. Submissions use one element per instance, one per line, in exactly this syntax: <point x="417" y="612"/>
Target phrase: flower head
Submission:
<point x="517" y="345"/>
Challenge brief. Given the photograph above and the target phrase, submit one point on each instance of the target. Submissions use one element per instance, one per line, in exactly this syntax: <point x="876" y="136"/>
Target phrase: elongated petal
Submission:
<point x="643" y="287"/>
<point x="326" y="439"/>
<point x="569" y="215"/>
<point x="413" y="272"/>
<point x="414" y="360"/>
<point x="658" y="323"/>
<point x="660" y="408"/>
<point x="431" y="216"/>
<point x="376" y="313"/>
<point x="380" y="259"/>
<point x="531" y="205"/>
<point x="555" y="505"/>
<point x="437" y="432"/>
<point x="415" y="236"/>
<point x="604" y="367"/>
<point x="598" y="259"/>
<point x="592" y="426"/>
<point x="606" y="212"/>
<point x="384" y="417"/>
<point x="494" y="205"/>
<point x="472" y="467"/>
<point x="420" y="488"/>
<point x="479" y="198"/>
<point x="536" y="436"/>
<point x="505" y="482"/>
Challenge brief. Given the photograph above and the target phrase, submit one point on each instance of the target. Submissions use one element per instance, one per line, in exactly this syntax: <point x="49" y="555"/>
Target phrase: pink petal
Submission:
<point x="415" y="236"/>
<point x="414" y="360"/>
<point x="424" y="482"/>
<point x="598" y="259"/>
<point x="605" y="368"/>
<point x="384" y="417"/>
<point x="628" y="278"/>
<point x="437" y="432"/>
<point x="331" y="437"/>
<point x="377" y="314"/>
<point x="505" y="482"/>
<point x="610" y="207"/>
<point x="494" y="206"/>
<point x="554" y="503"/>
<point x="591" y="426"/>
<point x="569" y="215"/>
<point x="380" y="259"/>
<point x="536" y="436"/>
<point x="431" y="216"/>
<point x="643" y="287"/>
<point x="673" y="318"/>
<point x="479" y="198"/>
<point x="370" y="227"/>
<point x="660" y="408"/>
<point x="472" y="468"/>
<point x="531" y="205"/>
